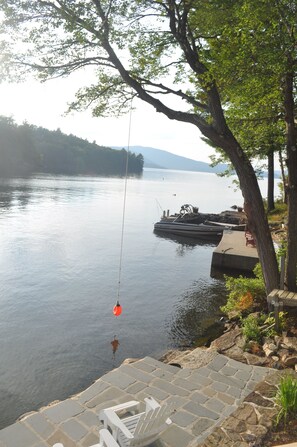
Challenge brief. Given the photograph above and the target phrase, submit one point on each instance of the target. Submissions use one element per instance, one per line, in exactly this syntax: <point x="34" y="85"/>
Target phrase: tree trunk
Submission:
<point x="270" y="187"/>
<point x="254" y="208"/>
<point x="291" y="259"/>
<point x="258" y="224"/>
<point x="220" y="134"/>
<point x="284" y="178"/>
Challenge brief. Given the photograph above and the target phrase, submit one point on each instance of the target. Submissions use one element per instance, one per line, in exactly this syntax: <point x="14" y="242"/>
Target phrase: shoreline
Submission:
<point x="242" y="415"/>
<point x="205" y="392"/>
<point x="229" y="343"/>
<point x="247" y="416"/>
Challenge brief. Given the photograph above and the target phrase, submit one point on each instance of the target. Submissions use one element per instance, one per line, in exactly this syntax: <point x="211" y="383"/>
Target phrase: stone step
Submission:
<point x="202" y="398"/>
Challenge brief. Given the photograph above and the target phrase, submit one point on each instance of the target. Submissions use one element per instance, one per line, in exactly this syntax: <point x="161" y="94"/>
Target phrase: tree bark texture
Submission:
<point x="254" y="208"/>
<point x="284" y="177"/>
<point x="270" y="187"/>
<point x="291" y="259"/>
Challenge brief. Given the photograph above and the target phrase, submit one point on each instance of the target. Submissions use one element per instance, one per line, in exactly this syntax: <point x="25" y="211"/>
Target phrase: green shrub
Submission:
<point x="241" y="287"/>
<point x="282" y="250"/>
<point x="269" y="320"/>
<point x="286" y="398"/>
<point x="280" y="211"/>
<point x="251" y="329"/>
<point x="255" y="327"/>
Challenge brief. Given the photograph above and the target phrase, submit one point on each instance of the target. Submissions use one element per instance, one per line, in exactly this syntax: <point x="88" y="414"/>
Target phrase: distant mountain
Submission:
<point x="156" y="158"/>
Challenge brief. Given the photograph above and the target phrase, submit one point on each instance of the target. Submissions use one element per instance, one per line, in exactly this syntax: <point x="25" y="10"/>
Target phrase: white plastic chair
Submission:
<point x="139" y="429"/>
<point x="105" y="440"/>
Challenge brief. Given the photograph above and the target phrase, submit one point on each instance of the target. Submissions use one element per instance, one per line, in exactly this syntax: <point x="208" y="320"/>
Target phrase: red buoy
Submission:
<point x="117" y="309"/>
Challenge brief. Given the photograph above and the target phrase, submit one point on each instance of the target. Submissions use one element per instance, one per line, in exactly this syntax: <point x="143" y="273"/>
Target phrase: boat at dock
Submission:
<point x="190" y="214"/>
<point x="193" y="230"/>
<point x="192" y="224"/>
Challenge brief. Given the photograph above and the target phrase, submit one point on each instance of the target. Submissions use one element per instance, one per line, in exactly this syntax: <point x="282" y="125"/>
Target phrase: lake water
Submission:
<point x="60" y="240"/>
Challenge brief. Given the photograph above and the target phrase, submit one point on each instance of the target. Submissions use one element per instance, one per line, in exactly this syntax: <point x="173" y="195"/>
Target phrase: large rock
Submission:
<point x="226" y="340"/>
<point x="269" y="349"/>
<point x="190" y="359"/>
<point x="236" y="353"/>
<point x="290" y="342"/>
<point x="290" y="361"/>
<point x="255" y="360"/>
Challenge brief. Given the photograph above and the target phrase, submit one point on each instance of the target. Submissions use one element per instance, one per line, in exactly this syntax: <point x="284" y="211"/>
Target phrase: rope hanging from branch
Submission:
<point x="117" y="309"/>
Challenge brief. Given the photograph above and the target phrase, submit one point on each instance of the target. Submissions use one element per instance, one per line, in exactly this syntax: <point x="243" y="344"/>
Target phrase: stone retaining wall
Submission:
<point x="250" y="422"/>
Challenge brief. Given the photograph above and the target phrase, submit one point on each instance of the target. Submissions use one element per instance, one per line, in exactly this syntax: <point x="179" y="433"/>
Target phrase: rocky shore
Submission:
<point x="222" y="395"/>
<point x="250" y="423"/>
<point x="278" y="352"/>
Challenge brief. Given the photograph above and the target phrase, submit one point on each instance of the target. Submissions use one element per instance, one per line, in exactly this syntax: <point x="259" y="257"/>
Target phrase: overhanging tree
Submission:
<point x="155" y="50"/>
<point x="262" y="43"/>
<point x="261" y="133"/>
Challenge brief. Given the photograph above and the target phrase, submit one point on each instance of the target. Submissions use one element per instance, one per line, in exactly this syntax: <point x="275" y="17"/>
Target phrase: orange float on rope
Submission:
<point x="117" y="309"/>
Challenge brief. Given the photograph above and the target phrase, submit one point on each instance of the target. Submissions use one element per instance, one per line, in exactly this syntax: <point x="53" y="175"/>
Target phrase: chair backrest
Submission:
<point x="151" y="424"/>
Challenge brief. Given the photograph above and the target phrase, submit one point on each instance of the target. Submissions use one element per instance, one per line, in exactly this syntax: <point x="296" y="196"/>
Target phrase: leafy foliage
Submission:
<point x="251" y="75"/>
<point x="256" y="326"/>
<point x="246" y="302"/>
<point x="269" y="321"/>
<point x="27" y="149"/>
<point x="244" y="292"/>
<point x="219" y="65"/>
<point x="280" y="212"/>
<point x="250" y="329"/>
<point x="18" y="154"/>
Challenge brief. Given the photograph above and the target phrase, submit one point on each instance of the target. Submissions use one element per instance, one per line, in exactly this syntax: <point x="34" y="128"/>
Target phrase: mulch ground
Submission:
<point x="281" y="435"/>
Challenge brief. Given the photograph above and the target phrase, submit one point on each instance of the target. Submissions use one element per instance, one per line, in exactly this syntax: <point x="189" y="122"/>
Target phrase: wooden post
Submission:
<point x="276" y="313"/>
<point x="282" y="272"/>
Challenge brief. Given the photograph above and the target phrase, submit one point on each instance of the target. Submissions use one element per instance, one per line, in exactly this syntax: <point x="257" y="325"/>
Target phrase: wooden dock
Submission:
<point x="233" y="253"/>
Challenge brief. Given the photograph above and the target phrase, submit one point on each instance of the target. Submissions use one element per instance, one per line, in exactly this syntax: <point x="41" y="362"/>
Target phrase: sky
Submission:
<point x="45" y="104"/>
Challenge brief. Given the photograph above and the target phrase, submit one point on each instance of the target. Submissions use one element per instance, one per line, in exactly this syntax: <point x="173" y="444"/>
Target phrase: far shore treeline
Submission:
<point x="26" y="149"/>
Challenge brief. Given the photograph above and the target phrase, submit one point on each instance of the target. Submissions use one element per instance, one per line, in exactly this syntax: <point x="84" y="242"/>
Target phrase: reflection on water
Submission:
<point x="196" y="317"/>
<point x="9" y="196"/>
<point x="115" y="346"/>
<point x="59" y="260"/>
<point x="186" y="241"/>
<point x="21" y="192"/>
<point x="183" y="243"/>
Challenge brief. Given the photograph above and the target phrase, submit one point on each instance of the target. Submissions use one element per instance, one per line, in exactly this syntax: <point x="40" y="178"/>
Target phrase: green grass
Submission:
<point x="279" y="214"/>
<point x="286" y="398"/>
